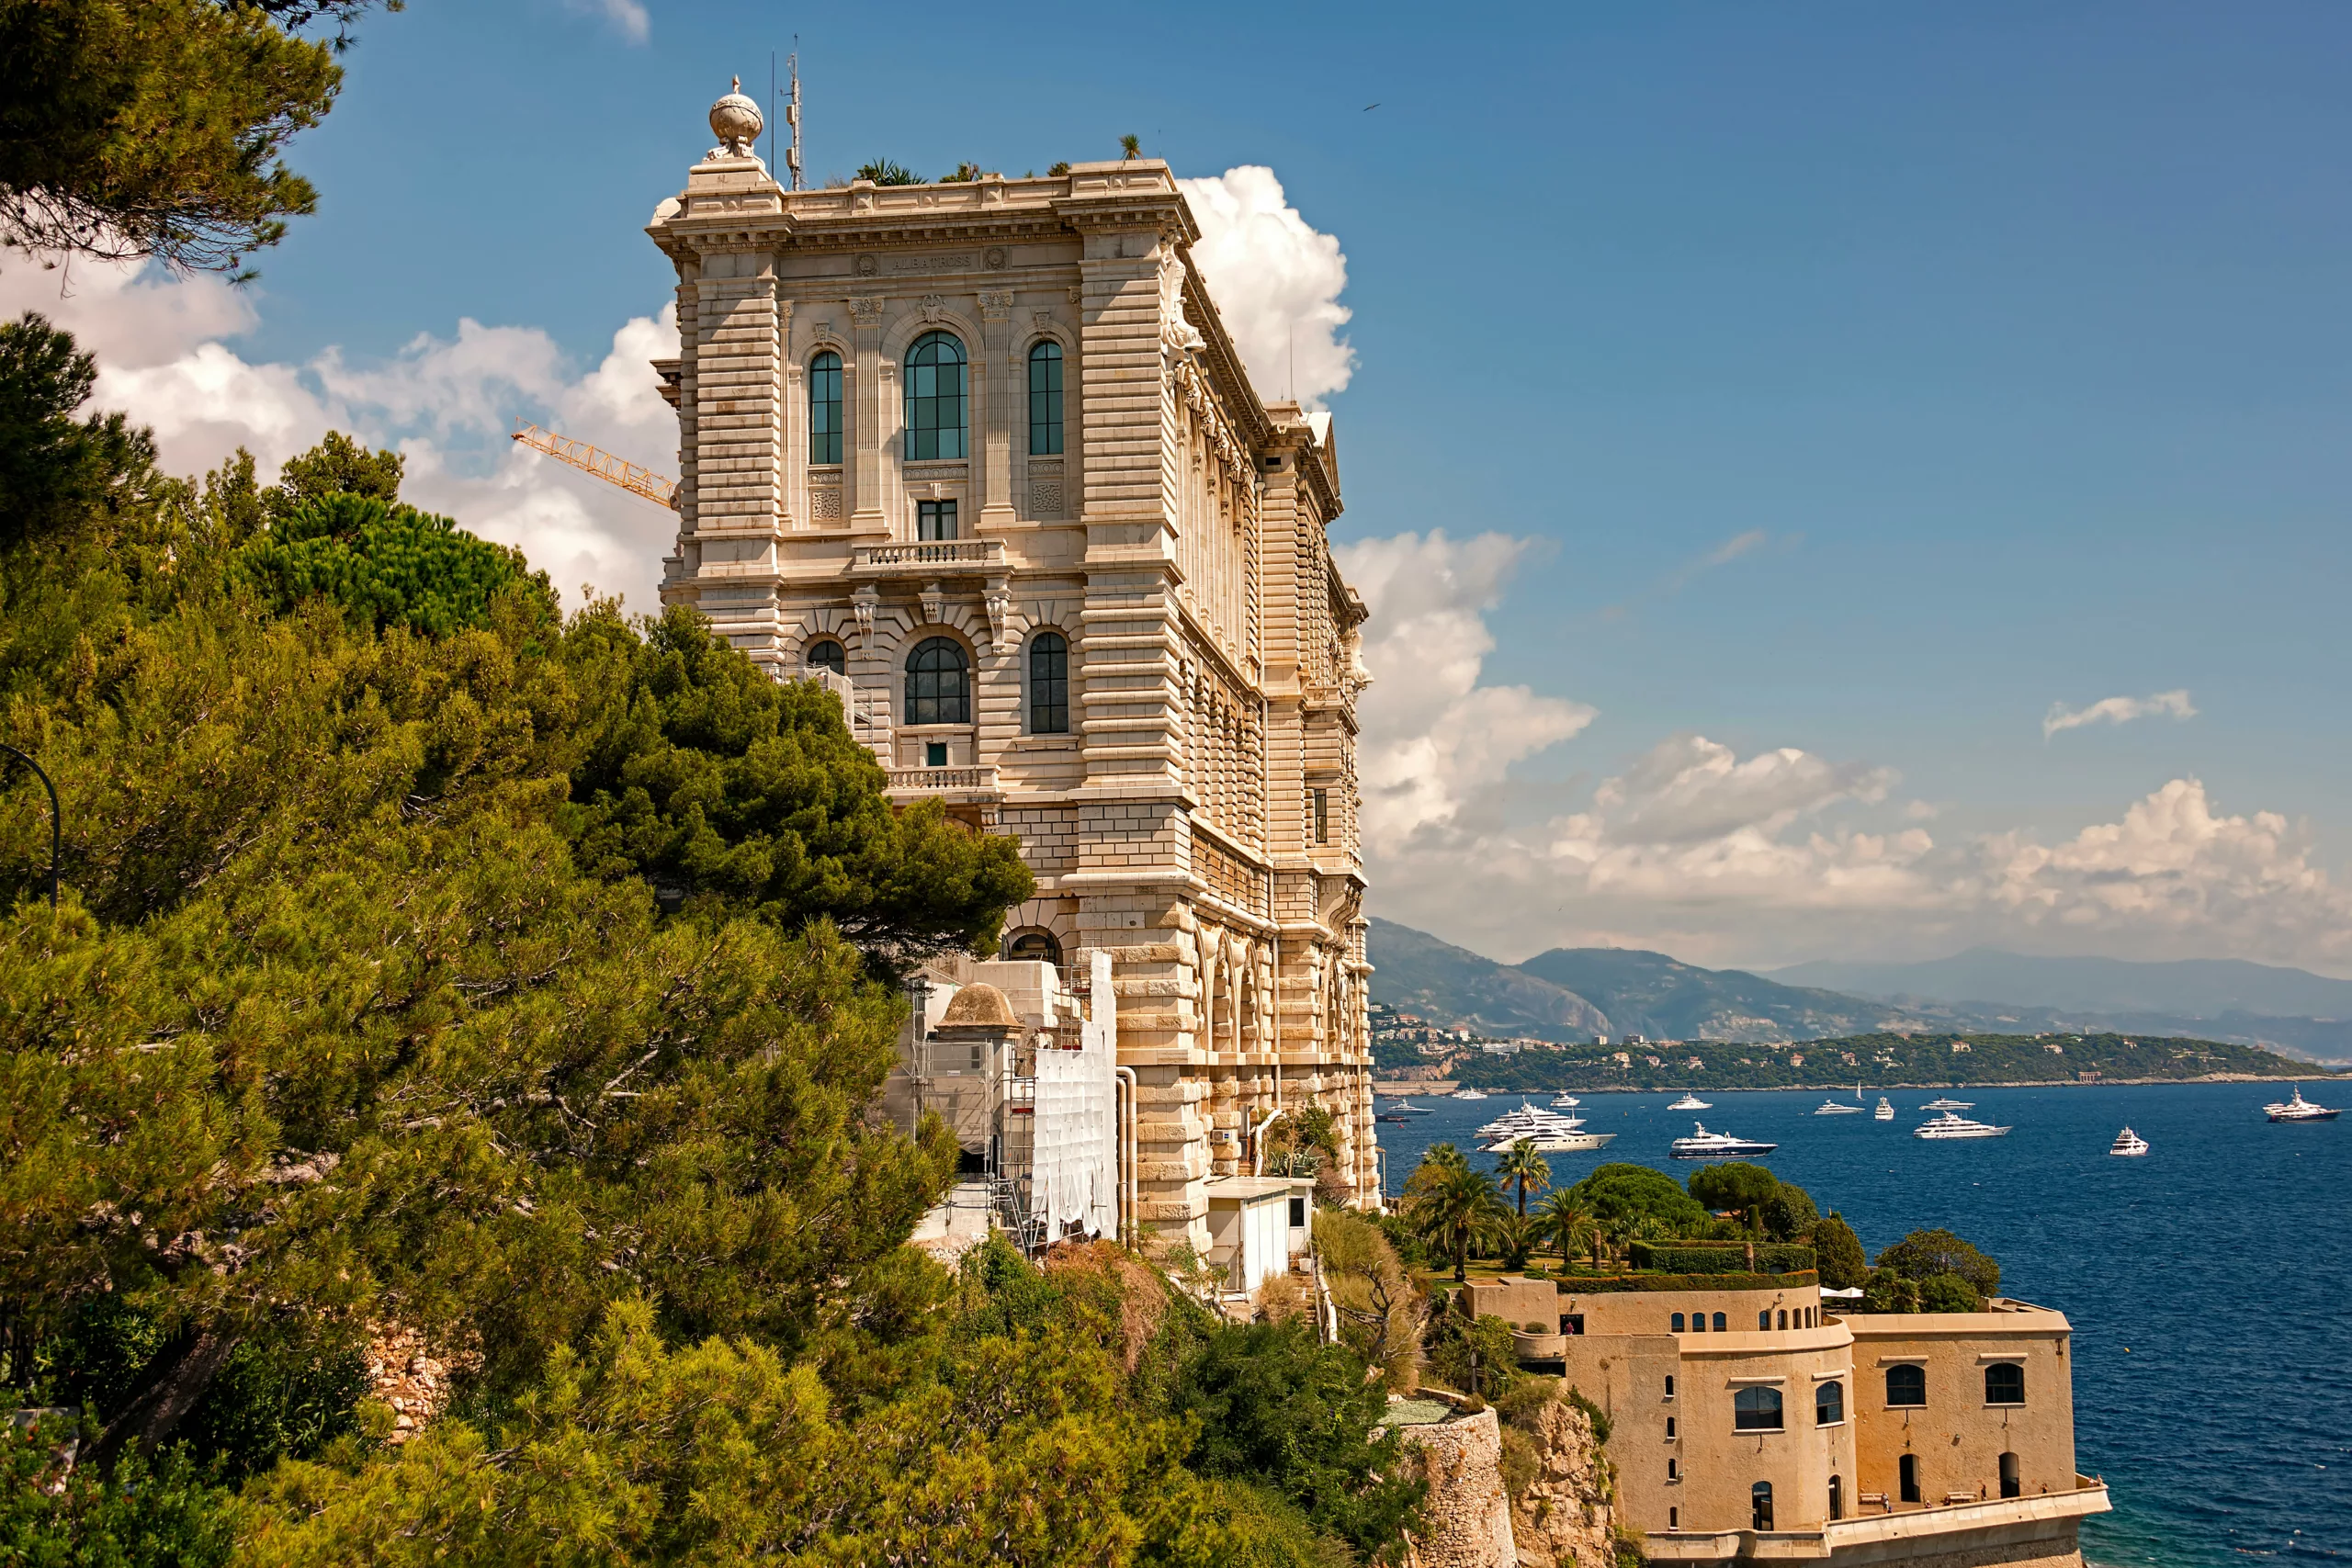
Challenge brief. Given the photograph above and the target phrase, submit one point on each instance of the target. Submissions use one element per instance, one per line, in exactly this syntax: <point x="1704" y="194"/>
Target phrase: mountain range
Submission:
<point x="1569" y="994"/>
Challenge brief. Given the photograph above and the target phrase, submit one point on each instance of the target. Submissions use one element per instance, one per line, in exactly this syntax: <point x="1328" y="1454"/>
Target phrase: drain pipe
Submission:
<point x="1124" y="1169"/>
<point x="1257" y="1143"/>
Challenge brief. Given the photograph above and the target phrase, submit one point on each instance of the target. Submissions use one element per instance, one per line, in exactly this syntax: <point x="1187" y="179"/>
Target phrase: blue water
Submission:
<point x="2210" y="1284"/>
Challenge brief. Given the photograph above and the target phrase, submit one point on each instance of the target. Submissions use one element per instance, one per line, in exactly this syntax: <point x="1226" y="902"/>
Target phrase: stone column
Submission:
<point x="1001" y="397"/>
<point x="868" y="424"/>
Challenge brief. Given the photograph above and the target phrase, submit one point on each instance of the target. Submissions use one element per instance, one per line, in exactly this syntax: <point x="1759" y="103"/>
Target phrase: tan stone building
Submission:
<point x="1752" y="1423"/>
<point x="984" y="451"/>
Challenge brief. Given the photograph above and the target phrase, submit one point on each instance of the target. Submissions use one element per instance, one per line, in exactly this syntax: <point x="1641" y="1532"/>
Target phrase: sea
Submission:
<point x="2209" y="1283"/>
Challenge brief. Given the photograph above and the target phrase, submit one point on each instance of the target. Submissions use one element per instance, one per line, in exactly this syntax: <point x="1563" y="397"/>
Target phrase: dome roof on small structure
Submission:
<point x="981" y="1006"/>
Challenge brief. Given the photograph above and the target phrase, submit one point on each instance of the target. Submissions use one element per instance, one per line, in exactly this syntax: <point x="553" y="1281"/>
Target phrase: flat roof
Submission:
<point x="1249" y="1188"/>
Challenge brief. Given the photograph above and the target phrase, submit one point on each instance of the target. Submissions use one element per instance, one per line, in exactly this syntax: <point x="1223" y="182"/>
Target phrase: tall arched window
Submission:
<point x="1048" y="684"/>
<point x="1907" y="1386"/>
<point x="826" y="654"/>
<point x="825" y="408"/>
<point x="1759" y="1506"/>
<point x="1045" y="400"/>
<point x="1837" y="1498"/>
<point x="1828" y="1403"/>
<point x="1906" y="1478"/>
<point x="2012" y="1483"/>
<point x="2004" y="1384"/>
<point x="1756" y="1410"/>
<point x="935" y="402"/>
<point x="939" y="683"/>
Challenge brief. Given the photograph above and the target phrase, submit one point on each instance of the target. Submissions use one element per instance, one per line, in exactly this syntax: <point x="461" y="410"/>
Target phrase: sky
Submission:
<point x="1838" y="481"/>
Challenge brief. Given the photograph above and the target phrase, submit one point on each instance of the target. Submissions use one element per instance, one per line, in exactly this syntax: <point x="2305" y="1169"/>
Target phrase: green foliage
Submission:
<point x="1473" y="1354"/>
<point x="1379" y="1312"/>
<point x="163" y="1514"/>
<point x="57" y="470"/>
<point x="1884" y="1291"/>
<point x="883" y="172"/>
<point x="1619" y="1194"/>
<point x="1788" y="1213"/>
<point x="1523" y="1169"/>
<point x="1453" y="1209"/>
<point x="390" y="565"/>
<point x="1838" y="1252"/>
<point x="1716" y="1258"/>
<point x="1567" y="1221"/>
<point x="1923" y="1255"/>
<point x="1949" y="1292"/>
<point x="153" y="128"/>
<point x="1130" y="147"/>
<point x="337" y="466"/>
<point x="1737" y="1186"/>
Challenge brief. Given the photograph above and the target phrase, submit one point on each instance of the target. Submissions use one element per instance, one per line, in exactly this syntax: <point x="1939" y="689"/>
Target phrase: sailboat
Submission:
<point x="1836" y="1107"/>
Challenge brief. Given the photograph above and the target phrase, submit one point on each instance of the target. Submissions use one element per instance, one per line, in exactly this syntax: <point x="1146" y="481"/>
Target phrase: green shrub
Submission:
<point x="1839" y="1252"/>
<point x="1473" y="1354"/>
<point x="1592" y="1413"/>
<point x="1949" y="1292"/>
<point x="1719" y="1258"/>
<point x="389" y="565"/>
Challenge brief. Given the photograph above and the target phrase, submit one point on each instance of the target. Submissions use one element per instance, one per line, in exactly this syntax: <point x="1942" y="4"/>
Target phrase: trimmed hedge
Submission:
<point x="1614" y="1284"/>
<point x="1719" y="1258"/>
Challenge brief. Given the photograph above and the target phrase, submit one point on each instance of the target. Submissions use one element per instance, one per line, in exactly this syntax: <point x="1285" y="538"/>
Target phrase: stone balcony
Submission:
<point x="929" y="557"/>
<point x="1882" y="1537"/>
<point x="955" y="785"/>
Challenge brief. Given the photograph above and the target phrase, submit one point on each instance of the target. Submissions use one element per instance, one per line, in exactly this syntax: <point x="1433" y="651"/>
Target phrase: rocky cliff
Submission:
<point x="1563" y="1516"/>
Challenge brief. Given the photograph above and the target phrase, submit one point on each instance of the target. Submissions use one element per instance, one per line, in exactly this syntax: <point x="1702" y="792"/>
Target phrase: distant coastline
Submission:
<point x="1407" y="1087"/>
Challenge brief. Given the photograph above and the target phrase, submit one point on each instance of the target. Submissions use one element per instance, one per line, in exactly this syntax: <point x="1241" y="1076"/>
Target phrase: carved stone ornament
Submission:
<point x="861" y="605"/>
<point x="996" y="304"/>
<point x="934" y="601"/>
<point x="737" y="122"/>
<point x="999" y="604"/>
<point x="1077" y="295"/>
<point x="865" y="312"/>
<point x="994" y="258"/>
<point x="869" y="265"/>
<point x="933" y="306"/>
<point x="1045" y="320"/>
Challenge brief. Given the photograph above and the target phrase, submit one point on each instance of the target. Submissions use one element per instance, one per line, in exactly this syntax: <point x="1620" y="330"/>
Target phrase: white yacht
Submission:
<point x="1404" y="1107"/>
<point x="2127" y="1143"/>
<point x="1550" y="1133"/>
<point x="1691" y="1102"/>
<point x="1837" y="1107"/>
<point x="1718" y="1145"/>
<point x="1563" y="1101"/>
<point x="1469" y="1094"/>
<point x="1943" y="1103"/>
<point x="1886" y="1111"/>
<point x="2299" y="1110"/>
<point x="1952" y="1124"/>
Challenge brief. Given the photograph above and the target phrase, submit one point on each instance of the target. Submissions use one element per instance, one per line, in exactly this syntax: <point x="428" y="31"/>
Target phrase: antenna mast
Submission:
<point x="792" y="118"/>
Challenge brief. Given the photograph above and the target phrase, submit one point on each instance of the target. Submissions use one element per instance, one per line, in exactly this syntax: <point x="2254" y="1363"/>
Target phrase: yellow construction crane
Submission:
<point x="597" y="461"/>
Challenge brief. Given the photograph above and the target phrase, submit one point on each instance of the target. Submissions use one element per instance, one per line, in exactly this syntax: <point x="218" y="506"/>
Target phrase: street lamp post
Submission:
<point x="56" y="818"/>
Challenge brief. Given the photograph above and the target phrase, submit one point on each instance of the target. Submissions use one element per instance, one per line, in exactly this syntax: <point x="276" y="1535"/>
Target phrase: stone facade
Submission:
<point x="1466" y="1520"/>
<point x="1190" y="806"/>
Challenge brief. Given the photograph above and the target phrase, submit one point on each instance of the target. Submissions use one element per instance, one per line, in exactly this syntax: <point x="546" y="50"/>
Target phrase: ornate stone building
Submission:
<point x="985" y="450"/>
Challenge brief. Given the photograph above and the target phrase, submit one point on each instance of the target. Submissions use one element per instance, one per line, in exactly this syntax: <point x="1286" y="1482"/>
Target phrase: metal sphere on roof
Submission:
<point x="736" y="121"/>
<point x="979" y="1006"/>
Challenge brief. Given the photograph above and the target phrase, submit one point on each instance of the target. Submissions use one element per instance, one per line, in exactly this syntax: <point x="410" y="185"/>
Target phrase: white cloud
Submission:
<point x="628" y="15"/>
<point x="446" y="403"/>
<point x="2116" y="710"/>
<point x="1276" y="282"/>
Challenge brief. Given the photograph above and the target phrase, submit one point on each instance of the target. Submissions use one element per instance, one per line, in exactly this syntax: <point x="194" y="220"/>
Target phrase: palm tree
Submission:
<point x="1521" y="1165"/>
<point x="1453" y="1208"/>
<point x="1565" y="1220"/>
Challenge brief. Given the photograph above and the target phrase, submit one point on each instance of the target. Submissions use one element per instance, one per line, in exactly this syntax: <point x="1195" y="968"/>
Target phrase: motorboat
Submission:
<point x="1404" y="1107"/>
<point x="2127" y="1143"/>
<point x="1469" y="1094"/>
<point x="1563" y="1101"/>
<point x="1718" y="1145"/>
<point x="1886" y="1111"/>
<point x="1548" y="1131"/>
<point x="2299" y="1110"/>
<point x="1839" y="1108"/>
<point x="1952" y="1124"/>
<point x="1691" y="1102"/>
<point x="1941" y="1103"/>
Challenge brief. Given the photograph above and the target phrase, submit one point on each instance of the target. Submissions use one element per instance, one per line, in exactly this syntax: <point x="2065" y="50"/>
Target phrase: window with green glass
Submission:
<point x="825" y="408"/>
<point x="1048" y="684"/>
<point x="934" y="373"/>
<point x="1045" y="400"/>
<point x="939" y="684"/>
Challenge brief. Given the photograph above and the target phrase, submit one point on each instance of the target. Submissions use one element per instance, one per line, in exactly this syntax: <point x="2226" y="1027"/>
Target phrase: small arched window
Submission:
<point x="1033" y="947"/>
<point x="1784" y="1319"/>
<point x="1906" y="1386"/>
<point x="1048" y="684"/>
<point x="826" y="654"/>
<point x="1670" y="1428"/>
<point x="825" y="408"/>
<point x="2012" y="1483"/>
<point x="1678" y="1324"/>
<point x="1045" y="400"/>
<point x="1756" y="1410"/>
<point x="1673" y="1470"/>
<point x="939" y="683"/>
<point x="1764" y="1319"/>
<point x="1837" y="1498"/>
<point x="1669" y="1385"/>
<point x="2004" y="1384"/>
<point x="1759" y="1506"/>
<point x="1828" y="1403"/>
<point x="934" y="372"/>
<point x="1698" y="1323"/>
<point x="1719" y="1322"/>
<point x="1906" y="1478"/>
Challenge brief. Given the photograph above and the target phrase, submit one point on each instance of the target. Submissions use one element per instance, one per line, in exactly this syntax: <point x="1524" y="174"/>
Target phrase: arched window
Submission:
<point x="1670" y="1428"/>
<point x="1784" y="1319"/>
<point x="1669" y="1385"/>
<point x="1678" y="1324"/>
<point x="826" y="654"/>
<point x="1048" y="684"/>
<point x="1756" y="1410"/>
<point x="2011" y="1482"/>
<point x="1764" y="1319"/>
<point x="2004" y="1384"/>
<point x="1828" y="1403"/>
<point x="1719" y="1322"/>
<point x="1907" y="1386"/>
<point x="1759" y="1506"/>
<point x="1837" y="1498"/>
<point x="825" y="408"/>
<point x="934" y="376"/>
<point x="1906" y="1478"/>
<point x="1673" y="1470"/>
<point x="939" y="684"/>
<point x="1045" y="400"/>
<point x="1034" y="947"/>
<point x="1698" y="1323"/>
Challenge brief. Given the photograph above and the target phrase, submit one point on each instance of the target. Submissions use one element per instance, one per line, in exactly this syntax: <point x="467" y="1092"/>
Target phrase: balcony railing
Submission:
<point x="931" y="557"/>
<point x="943" y="781"/>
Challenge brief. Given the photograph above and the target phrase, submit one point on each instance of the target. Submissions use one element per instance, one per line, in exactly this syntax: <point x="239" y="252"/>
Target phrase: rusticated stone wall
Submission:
<point x="1467" y="1522"/>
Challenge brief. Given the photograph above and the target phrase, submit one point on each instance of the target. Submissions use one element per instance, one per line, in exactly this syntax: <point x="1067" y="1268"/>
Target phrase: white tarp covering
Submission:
<point x="1074" y="1178"/>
